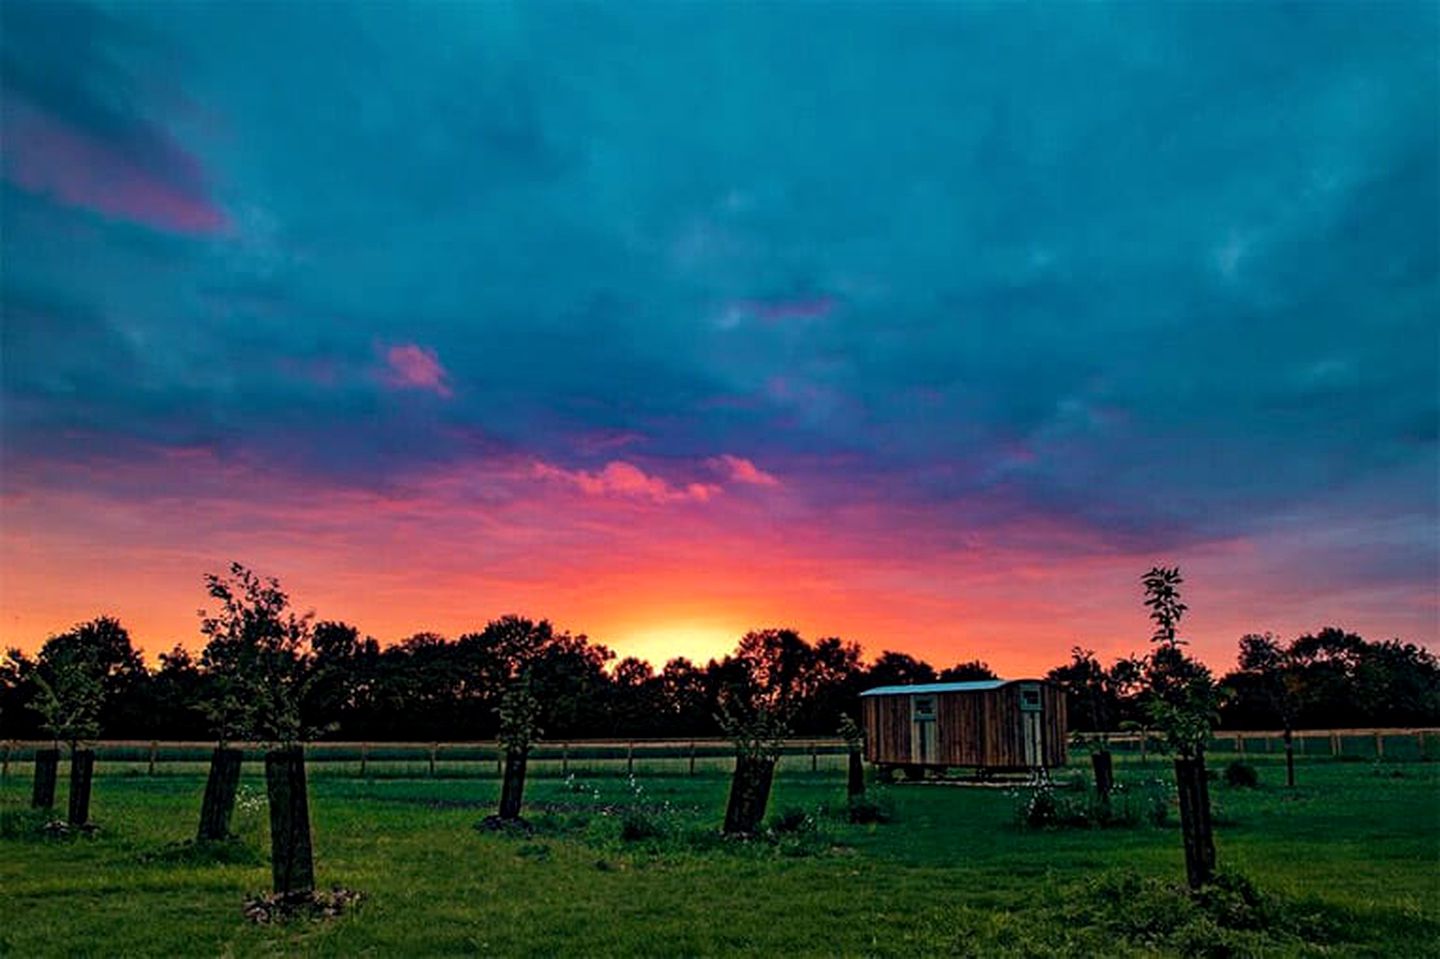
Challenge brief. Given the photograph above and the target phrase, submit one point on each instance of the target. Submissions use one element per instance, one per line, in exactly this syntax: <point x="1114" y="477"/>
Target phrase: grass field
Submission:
<point x="1355" y="852"/>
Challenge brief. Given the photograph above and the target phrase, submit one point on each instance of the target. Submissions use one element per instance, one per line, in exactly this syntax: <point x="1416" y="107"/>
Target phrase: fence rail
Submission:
<point x="674" y="756"/>
<point x="1375" y="743"/>
<point x="449" y="758"/>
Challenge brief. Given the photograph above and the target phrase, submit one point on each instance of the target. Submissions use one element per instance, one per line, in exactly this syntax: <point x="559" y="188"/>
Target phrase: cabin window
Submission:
<point x="923" y="708"/>
<point x="1030" y="698"/>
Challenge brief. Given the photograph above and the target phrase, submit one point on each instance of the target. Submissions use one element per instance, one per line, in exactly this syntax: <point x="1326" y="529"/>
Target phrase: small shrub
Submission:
<point x="870" y="809"/>
<point x="1241" y="775"/>
<point x="1038" y="807"/>
<point x="637" y="824"/>
<point x="793" y="819"/>
<point x="1228" y="916"/>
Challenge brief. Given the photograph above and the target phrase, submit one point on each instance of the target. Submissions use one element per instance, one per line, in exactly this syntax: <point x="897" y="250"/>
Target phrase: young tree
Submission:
<point x="1091" y="701"/>
<point x="68" y="677"/>
<point x="771" y="674"/>
<point x="854" y="737"/>
<point x="1270" y="665"/>
<point x="519" y="730"/>
<point x="1181" y="701"/>
<point x="259" y="649"/>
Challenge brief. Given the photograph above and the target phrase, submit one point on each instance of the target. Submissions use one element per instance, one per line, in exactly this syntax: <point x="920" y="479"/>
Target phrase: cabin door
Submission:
<point x="1030" y="713"/>
<point x="923" y="750"/>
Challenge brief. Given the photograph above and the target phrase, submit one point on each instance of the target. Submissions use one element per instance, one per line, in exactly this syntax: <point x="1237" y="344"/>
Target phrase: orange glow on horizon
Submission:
<point x="647" y="579"/>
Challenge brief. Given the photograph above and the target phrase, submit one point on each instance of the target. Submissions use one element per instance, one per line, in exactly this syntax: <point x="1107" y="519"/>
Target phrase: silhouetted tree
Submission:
<point x="1093" y="706"/>
<point x="967" y="672"/>
<point x="1268" y="663"/>
<point x="685" y="698"/>
<point x="772" y="674"/>
<point x="260" y="650"/>
<point x="899" y="669"/>
<point x="519" y="713"/>
<point x="1181" y="701"/>
<point x="69" y="677"/>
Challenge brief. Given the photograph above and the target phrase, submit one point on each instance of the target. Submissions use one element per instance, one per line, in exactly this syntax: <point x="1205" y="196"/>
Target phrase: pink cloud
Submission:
<point x="151" y="180"/>
<point x="412" y="367"/>
<point x="738" y="469"/>
<point x="627" y="480"/>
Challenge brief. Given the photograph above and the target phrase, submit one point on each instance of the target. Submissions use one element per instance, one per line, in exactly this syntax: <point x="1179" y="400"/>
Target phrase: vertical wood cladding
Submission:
<point x="972" y="727"/>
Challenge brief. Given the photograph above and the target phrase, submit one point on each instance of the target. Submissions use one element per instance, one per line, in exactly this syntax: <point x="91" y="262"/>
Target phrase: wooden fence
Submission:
<point x="675" y="757"/>
<point x="451" y="759"/>
<point x="1388" y="743"/>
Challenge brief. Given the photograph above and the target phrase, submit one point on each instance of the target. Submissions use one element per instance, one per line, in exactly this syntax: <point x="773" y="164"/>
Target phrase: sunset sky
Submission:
<point x="928" y="326"/>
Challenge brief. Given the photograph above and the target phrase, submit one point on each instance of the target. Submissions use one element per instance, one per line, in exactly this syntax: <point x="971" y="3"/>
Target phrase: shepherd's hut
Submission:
<point x="994" y="725"/>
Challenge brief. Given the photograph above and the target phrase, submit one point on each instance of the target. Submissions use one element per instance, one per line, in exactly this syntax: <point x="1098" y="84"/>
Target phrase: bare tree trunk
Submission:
<point x="219" y="803"/>
<point x="1103" y="765"/>
<point x="749" y="795"/>
<point x="47" y="770"/>
<point x="1195" y="827"/>
<point x="292" y="861"/>
<point x="512" y="787"/>
<point x="1289" y="757"/>
<point x="82" y="771"/>
<point x="855" y="781"/>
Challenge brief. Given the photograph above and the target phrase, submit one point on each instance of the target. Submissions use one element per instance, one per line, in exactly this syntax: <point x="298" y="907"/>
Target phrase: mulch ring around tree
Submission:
<point x="318" y="905"/>
<point x="509" y="827"/>
<point x="60" y="829"/>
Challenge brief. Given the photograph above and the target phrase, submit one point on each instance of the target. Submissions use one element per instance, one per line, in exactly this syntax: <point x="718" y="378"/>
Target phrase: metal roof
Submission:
<point x="971" y="687"/>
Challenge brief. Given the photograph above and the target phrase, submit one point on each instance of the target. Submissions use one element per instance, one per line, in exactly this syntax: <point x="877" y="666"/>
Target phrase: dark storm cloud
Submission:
<point x="1155" y="270"/>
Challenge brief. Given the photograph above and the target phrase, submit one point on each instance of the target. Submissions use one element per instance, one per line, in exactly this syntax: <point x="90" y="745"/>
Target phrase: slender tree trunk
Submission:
<point x="219" y="804"/>
<point x="82" y="772"/>
<point x="749" y="795"/>
<point x="292" y="861"/>
<point x="512" y="786"/>
<point x="1289" y="757"/>
<point x="47" y="770"/>
<point x="1103" y="765"/>
<point x="855" y="781"/>
<point x="1195" y="827"/>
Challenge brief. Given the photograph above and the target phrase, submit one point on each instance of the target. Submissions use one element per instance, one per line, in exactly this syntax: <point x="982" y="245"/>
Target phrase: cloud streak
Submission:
<point x="412" y="367"/>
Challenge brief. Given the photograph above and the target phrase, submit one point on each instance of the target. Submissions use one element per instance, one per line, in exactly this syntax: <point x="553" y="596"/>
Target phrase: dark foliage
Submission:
<point x="431" y="688"/>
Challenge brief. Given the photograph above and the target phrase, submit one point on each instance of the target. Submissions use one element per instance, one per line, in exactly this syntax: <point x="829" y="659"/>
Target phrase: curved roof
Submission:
<point x="970" y="687"/>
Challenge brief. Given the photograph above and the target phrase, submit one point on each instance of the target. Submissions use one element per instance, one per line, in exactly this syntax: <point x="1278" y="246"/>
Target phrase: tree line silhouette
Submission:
<point x="433" y="688"/>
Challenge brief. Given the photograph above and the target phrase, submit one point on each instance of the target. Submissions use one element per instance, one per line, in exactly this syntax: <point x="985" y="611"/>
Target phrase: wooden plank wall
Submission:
<point x="982" y="728"/>
<point x="887" y="728"/>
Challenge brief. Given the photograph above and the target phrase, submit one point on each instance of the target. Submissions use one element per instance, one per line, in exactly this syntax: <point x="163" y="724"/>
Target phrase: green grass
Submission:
<point x="1357" y="845"/>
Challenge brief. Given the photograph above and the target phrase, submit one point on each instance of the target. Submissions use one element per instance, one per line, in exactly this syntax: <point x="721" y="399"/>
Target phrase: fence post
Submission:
<point x="692" y="758"/>
<point x="1379" y="745"/>
<point x="1419" y="743"/>
<point x="1334" y="744"/>
<point x="154" y="746"/>
<point x="1269" y="743"/>
<point x="1300" y="745"/>
<point x="433" y="748"/>
<point x="814" y="758"/>
<point x="364" y="757"/>
<point x="629" y="759"/>
<point x="564" y="758"/>
<point x="5" y="760"/>
<point x="1240" y="745"/>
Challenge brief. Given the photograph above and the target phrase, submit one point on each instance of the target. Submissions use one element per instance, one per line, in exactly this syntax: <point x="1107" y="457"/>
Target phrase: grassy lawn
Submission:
<point x="1357" y="845"/>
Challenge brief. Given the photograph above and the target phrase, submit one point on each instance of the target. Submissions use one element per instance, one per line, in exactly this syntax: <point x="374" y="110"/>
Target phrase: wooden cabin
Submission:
<point x="991" y="725"/>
